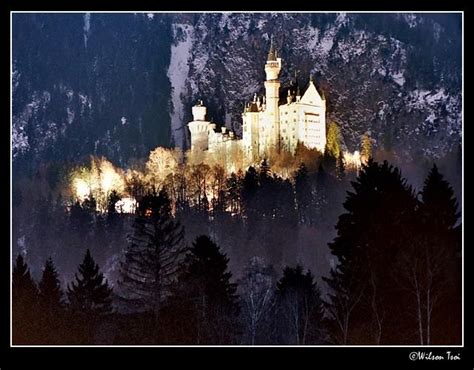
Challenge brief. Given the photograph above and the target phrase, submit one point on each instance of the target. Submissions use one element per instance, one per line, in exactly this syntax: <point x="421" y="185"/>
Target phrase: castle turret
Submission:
<point x="199" y="127"/>
<point x="199" y="111"/>
<point x="272" y="89"/>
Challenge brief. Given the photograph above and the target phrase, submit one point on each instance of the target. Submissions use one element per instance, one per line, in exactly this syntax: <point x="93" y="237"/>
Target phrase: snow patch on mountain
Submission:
<point x="70" y="115"/>
<point x="327" y="41"/>
<point x="177" y="73"/>
<point x="398" y="78"/>
<point x="420" y="99"/>
<point x="87" y="26"/>
<point x="353" y="46"/>
<point x="411" y="19"/>
<point x="15" y="77"/>
<point x="19" y="139"/>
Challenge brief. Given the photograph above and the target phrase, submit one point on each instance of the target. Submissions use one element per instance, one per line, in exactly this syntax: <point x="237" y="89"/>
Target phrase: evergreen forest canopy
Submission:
<point x="247" y="267"/>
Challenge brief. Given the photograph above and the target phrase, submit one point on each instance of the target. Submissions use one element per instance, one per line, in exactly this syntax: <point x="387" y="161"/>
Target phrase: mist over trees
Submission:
<point x="239" y="258"/>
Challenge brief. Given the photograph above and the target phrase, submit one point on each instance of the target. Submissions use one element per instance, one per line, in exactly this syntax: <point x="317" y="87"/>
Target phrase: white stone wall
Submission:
<point x="199" y="135"/>
<point x="250" y="134"/>
<point x="301" y="121"/>
<point x="288" y="126"/>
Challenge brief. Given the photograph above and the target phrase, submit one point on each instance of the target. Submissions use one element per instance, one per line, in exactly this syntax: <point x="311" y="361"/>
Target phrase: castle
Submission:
<point x="267" y="125"/>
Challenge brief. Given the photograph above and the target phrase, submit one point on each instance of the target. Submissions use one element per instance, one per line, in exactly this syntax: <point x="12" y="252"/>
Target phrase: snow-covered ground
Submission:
<point x="178" y="73"/>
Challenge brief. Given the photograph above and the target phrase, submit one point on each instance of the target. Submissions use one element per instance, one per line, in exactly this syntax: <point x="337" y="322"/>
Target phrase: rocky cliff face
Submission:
<point x="121" y="84"/>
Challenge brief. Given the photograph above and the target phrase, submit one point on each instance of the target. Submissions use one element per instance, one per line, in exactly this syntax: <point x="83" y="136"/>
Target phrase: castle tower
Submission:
<point x="199" y="127"/>
<point x="272" y="89"/>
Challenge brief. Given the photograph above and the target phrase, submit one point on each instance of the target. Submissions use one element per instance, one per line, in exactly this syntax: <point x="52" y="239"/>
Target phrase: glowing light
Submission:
<point x="352" y="160"/>
<point x="126" y="205"/>
<point x="97" y="181"/>
<point x="109" y="178"/>
<point x="81" y="188"/>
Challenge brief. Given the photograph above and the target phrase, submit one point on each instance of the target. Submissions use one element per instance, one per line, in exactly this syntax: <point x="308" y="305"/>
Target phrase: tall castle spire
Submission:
<point x="272" y="88"/>
<point x="271" y="53"/>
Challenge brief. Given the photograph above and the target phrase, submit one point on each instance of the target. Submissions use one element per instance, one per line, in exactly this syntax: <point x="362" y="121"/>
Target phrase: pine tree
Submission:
<point x="233" y="191"/>
<point x="250" y="186"/>
<point x="24" y="304"/>
<point x="301" y="307"/>
<point x="439" y="205"/>
<point x="377" y="226"/>
<point x="321" y="196"/>
<point x="82" y="219"/>
<point x="153" y="255"/>
<point x="50" y="304"/>
<point x="90" y="293"/>
<point x="204" y="296"/>
<point x="112" y="200"/>
<point x="340" y="167"/>
<point x="303" y="194"/>
<point x="440" y="257"/>
<point x="264" y="169"/>
<point x="50" y="293"/>
<point x="90" y="300"/>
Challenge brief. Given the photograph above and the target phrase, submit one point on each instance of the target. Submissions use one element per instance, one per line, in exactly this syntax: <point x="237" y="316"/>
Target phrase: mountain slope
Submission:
<point x="121" y="84"/>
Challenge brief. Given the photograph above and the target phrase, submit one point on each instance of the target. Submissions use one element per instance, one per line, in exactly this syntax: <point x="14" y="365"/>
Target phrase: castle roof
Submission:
<point x="311" y="95"/>
<point x="252" y="107"/>
<point x="272" y="52"/>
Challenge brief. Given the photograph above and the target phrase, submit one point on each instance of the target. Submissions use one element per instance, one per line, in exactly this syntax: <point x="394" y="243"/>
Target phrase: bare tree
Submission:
<point x="341" y="305"/>
<point x="420" y="272"/>
<point x="257" y="294"/>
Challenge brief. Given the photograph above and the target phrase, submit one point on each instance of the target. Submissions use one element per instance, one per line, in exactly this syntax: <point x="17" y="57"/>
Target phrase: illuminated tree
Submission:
<point x="310" y="157"/>
<point x="160" y="164"/>
<point x="218" y="189"/>
<point x="366" y="148"/>
<point x="97" y="181"/>
<point x="135" y="184"/>
<point x="199" y="178"/>
<point x="333" y="140"/>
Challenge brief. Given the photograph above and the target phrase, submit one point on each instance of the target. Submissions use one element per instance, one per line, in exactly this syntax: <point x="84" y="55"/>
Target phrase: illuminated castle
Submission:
<point x="267" y="125"/>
